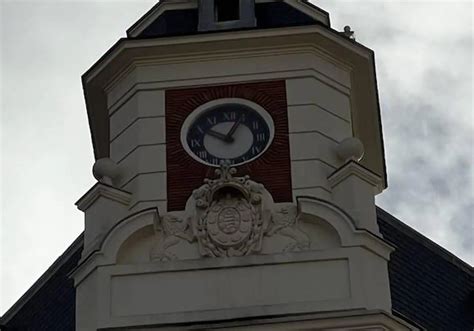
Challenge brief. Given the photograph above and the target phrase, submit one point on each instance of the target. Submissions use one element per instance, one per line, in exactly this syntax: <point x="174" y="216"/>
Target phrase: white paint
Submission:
<point x="146" y="187"/>
<point x="311" y="118"/>
<point x="242" y="141"/>
<point x="144" y="131"/>
<point x="201" y="290"/>
<point x="142" y="104"/>
<point x="143" y="159"/>
<point x="310" y="91"/>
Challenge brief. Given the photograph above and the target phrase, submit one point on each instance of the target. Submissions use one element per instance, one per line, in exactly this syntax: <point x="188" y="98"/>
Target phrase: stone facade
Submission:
<point x="170" y="240"/>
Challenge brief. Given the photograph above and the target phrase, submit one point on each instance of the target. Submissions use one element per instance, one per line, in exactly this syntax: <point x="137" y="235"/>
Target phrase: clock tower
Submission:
<point x="238" y="151"/>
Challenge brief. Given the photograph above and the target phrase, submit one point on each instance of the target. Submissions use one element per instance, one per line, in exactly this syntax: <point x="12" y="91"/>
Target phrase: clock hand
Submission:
<point x="233" y="128"/>
<point x="219" y="135"/>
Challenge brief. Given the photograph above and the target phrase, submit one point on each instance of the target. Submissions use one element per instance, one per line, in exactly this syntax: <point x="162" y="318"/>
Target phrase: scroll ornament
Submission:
<point x="228" y="216"/>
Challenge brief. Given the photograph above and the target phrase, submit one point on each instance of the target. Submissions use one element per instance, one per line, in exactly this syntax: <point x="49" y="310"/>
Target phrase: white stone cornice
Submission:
<point x="353" y="168"/>
<point x="106" y="191"/>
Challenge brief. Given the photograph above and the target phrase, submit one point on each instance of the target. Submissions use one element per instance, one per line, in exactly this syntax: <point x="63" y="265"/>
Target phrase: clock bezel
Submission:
<point x="196" y="113"/>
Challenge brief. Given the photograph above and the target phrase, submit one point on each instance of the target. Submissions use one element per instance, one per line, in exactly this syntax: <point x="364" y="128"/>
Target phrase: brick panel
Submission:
<point x="272" y="169"/>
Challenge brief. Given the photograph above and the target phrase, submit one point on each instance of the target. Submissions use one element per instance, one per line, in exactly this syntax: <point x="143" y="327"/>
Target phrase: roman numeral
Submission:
<point x="212" y="120"/>
<point x="195" y="143"/>
<point x="232" y="116"/>
<point x="255" y="125"/>
<point x="256" y="150"/>
<point x="201" y="131"/>
<point x="260" y="137"/>
<point x="202" y="154"/>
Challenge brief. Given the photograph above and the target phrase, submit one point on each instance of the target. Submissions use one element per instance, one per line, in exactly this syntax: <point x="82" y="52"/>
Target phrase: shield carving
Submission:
<point x="229" y="222"/>
<point x="229" y="227"/>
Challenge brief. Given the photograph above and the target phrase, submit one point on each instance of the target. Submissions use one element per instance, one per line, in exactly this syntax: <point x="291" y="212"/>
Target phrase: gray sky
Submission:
<point x="424" y="60"/>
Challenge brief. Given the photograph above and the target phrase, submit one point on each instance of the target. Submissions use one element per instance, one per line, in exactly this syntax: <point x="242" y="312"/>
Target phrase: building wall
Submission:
<point x="436" y="295"/>
<point x="319" y="114"/>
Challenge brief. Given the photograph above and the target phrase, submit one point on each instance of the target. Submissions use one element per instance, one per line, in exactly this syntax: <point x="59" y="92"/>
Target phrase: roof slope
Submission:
<point x="429" y="286"/>
<point x="185" y="21"/>
<point x="50" y="303"/>
<point x="180" y="17"/>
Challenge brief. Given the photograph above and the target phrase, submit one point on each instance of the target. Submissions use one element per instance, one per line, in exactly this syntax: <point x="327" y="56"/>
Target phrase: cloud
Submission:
<point x="46" y="151"/>
<point x="424" y="54"/>
<point x="424" y="65"/>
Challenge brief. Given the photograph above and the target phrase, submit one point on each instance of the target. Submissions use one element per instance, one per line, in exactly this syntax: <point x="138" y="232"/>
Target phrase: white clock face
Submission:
<point x="227" y="130"/>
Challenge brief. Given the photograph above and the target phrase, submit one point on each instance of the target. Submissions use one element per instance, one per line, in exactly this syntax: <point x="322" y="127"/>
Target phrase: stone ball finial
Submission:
<point x="105" y="170"/>
<point x="350" y="149"/>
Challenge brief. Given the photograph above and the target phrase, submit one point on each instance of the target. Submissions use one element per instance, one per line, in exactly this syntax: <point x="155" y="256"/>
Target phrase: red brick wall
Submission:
<point x="271" y="169"/>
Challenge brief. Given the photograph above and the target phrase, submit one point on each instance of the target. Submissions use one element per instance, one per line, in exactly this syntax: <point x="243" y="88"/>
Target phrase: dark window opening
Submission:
<point x="227" y="10"/>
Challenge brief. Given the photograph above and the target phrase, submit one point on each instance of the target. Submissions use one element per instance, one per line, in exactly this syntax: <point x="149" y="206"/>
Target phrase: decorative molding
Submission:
<point x="229" y="216"/>
<point x="356" y="169"/>
<point x="285" y="222"/>
<point x="350" y="234"/>
<point x="105" y="251"/>
<point x="106" y="191"/>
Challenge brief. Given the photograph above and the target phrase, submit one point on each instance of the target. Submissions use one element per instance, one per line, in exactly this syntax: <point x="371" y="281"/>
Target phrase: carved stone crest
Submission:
<point x="174" y="230"/>
<point x="228" y="220"/>
<point x="229" y="216"/>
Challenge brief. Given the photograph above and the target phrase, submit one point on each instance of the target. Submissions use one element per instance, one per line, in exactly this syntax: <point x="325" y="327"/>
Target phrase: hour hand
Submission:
<point x="232" y="129"/>
<point x="220" y="136"/>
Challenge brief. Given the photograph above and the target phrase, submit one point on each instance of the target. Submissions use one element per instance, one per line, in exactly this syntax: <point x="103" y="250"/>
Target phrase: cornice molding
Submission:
<point x="213" y="38"/>
<point x="325" y="42"/>
<point x="106" y="191"/>
<point x="353" y="168"/>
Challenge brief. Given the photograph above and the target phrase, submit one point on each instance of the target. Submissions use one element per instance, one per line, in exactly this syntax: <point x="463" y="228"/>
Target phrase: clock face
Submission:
<point x="229" y="132"/>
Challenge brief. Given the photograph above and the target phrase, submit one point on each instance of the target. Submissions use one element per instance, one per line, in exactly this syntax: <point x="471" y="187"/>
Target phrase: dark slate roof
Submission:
<point x="50" y="303"/>
<point x="185" y="21"/>
<point x="430" y="287"/>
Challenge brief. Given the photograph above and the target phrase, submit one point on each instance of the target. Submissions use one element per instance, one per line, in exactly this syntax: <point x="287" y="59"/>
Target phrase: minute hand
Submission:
<point x="219" y="135"/>
<point x="233" y="128"/>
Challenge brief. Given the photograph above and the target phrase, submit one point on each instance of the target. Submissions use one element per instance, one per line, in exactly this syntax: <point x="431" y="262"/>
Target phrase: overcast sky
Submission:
<point x="424" y="64"/>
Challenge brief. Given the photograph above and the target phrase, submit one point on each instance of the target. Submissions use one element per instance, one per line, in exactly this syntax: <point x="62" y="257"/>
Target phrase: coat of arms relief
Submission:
<point x="226" y="217"/>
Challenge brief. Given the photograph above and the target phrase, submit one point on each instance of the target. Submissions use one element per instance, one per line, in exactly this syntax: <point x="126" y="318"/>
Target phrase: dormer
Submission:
<point x="226" y="14"/>
<point x="190" y="17"/>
